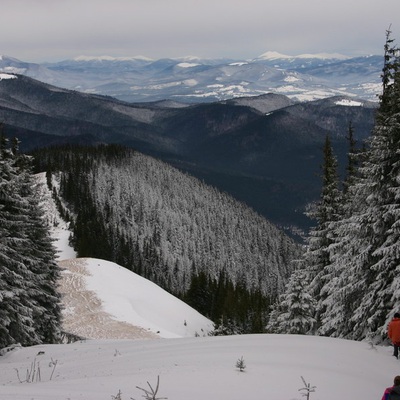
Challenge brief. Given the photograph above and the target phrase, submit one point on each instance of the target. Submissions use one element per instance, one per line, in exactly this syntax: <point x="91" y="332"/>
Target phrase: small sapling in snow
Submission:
<point x="307" y="389"/>
<point x="117" y="396"/>
<point x="240" y="364"/>
<point x="152" y="393"/>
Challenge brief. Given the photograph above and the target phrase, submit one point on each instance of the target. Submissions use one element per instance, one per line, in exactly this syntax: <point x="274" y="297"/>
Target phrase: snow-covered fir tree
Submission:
<point x="295" y="310"/>
<point x="340" y="291"/>
<point x="301" y="306"/>
<point x="29" y="302"/>
<point x="317" y="257"/>
<point x="379" y="219"/>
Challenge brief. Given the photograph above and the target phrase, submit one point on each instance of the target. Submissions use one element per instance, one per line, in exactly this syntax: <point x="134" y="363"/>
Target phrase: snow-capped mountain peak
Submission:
<point x="273" y="55"/>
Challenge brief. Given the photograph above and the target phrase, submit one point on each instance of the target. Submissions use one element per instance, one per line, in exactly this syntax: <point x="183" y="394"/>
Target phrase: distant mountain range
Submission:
<point x="264" y="150"/>
<point x="137" y="79"/>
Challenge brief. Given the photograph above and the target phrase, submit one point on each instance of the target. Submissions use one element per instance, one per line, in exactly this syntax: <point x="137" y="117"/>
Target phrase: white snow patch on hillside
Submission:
<point x="215" y="86"/>
<point x="238" y="64"/>
<point x="289" y="89"/>
<point x="291" y="79"/>
<point x="349" y="103"/>
<point x="7" y="76"/>
<point x="190" y="82"/>
<point x="160" y="86"/>
<point x="187" y="65"/>
<point x="137" y="301"/>
<point x="83" y="311"/>
<point x="13" y="70"/>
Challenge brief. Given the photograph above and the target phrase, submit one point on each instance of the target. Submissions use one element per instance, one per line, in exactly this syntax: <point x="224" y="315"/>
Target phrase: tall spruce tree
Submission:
<point x="301" y="307"/>
<point x="341" y="290"/>
<point x="294" y="313"/>
<point x="16" y="304"/>
<point x="41" y="257"/>
<point x="317" y="259"/>
<point x="29" y="303"/>
<point x="381" y="217"/>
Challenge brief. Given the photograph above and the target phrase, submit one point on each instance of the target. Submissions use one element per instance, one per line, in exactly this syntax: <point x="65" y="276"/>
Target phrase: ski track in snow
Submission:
<point x="83" y="314"/>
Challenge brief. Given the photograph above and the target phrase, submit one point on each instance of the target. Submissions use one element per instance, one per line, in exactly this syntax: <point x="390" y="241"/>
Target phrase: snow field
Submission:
<point x="203" y="368"/>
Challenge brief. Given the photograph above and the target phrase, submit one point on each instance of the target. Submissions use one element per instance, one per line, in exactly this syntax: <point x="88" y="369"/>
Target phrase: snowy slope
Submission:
<point x="202" y="369"/>
<point x="119" y="304"/>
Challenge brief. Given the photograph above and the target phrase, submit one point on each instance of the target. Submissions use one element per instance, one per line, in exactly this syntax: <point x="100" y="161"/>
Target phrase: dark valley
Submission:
<point x="265" y="150"/>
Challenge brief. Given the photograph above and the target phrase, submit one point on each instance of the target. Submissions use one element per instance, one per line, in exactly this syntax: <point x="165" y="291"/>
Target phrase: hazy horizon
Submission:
<point x="54" y="30"/>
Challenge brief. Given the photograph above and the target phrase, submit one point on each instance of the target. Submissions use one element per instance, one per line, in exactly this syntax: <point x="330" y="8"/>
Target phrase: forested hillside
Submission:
<point x="191" y="239"/>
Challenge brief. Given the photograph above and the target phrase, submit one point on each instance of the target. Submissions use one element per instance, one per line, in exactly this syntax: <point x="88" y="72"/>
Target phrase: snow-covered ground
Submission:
<point x="103" y="300"/>
<point x="195" y="368"/>
<point x="202" y="368"/>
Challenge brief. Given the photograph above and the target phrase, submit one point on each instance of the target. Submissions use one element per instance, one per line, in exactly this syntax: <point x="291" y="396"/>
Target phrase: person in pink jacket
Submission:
<point x="394" y="333"/>
<point x="393" y="392"/>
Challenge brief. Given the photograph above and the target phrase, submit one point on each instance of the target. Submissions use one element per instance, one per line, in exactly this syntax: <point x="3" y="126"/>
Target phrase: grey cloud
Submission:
<point x="56" y="29"/>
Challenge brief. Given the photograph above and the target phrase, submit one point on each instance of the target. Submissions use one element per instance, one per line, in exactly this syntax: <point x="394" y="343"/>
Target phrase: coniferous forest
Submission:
<point x="347" y="283"/>
<point x="194" y="241"/>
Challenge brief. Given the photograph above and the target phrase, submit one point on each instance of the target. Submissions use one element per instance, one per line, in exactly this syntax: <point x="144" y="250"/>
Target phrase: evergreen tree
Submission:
<point x="380" y="219"/>
<point x="295" y="311"/>
<point x="16" y="306"/>
<point x="29" y="304"/>
<point x="301" y="307"/>
<point x="342" y="289"/>
<point x="41" y="255"/>
<point x="317" y="258"/>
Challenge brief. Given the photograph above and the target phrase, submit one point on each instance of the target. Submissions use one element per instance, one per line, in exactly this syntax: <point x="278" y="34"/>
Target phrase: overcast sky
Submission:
<point x="52" y="30"/>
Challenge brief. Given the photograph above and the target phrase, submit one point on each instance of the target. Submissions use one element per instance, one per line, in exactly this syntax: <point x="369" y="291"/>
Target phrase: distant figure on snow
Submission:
<point x="393" y="392"/>
<point x="394" y="333"/>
